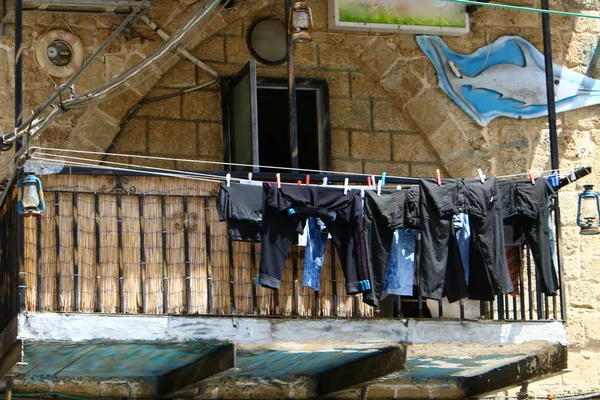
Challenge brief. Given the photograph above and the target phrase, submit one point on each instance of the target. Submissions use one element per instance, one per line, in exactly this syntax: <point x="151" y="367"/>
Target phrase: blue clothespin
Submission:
<point x="554" y="180"/>
<point x="383" y="176"/>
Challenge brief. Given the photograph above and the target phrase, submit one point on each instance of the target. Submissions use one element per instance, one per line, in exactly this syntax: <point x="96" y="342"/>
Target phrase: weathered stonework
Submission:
<point x="384" y="98"/>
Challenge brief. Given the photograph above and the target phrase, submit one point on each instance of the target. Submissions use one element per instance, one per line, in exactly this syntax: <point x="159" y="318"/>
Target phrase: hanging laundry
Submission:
<point x="340" y="212"/>
<point x="462" y="229"/>
<point x="441" y="270"/>
<point x="314" y="253"/>
<point x="400" y="271"/>
<point x="526" y="207"/>
<point x="241" y="206"/>
<point x="383" y="215"/>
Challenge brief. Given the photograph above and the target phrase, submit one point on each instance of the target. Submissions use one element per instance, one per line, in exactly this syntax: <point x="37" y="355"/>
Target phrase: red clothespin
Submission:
<point x="299" y="182"/>
<point x="531" y="177"/>
<point x="438" y="177"/>
<point x="368" y="181"/>
<point x="278" y="179"/>
<point x="308" y="179"/>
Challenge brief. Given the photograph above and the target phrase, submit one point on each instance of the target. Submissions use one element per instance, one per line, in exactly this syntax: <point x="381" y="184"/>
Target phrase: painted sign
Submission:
<point x="436" y="17"/>
<point x="506" y="78"/>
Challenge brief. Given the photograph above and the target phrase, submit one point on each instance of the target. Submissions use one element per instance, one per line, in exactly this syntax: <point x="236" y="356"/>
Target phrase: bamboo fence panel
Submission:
<point x="175" y="255"/>
<point x="220" y="262"/>
<point x="48" y="259"/>
<point x="130" y="253"/>
<point x="306" y="298"/>
<point x="242" y="264"/>
<point x="265" y="297"/>
<point x="109" y="255"/>
<point x="86" y="244"/>
<point x="286" y="290"/>
<point x="155" y="266"/>
<point x="198" y="263"/>
<point x="345" y="303"/>
<point x="66" y="266"/>
<point x="30" y="261"/>
<point x="326" y="294"/>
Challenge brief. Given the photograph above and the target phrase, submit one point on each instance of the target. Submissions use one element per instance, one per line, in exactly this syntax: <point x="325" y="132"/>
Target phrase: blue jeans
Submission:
<point x="463" y="236"/>
<point x="316" y="239"/>
<point x="400" y="271"/>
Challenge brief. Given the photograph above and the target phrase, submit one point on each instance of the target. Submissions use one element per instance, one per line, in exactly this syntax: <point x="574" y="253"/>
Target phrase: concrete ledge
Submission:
<point x="85" y="327"/>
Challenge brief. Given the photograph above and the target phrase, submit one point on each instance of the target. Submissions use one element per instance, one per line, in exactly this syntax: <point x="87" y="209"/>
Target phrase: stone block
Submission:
<point x="449" y="142"/>
<point x="235" y="28"/>
<point x="102" y="36"/>
<point x="358" y="44"/>
<point x="55" y="137"/>
<point x="181" y="75"/>
<point x="202" y="105"/>
<point x="492" y="16"/>
<point x="236" y="50"/>
<point x="211" y="49"/>
<point x="8" y="104"/>
<point x="412" y="148"/>
<point x="352" y="114"/>
<point x="587" y="25"/>
<point x="571" y="240"/>
<point x="571" y="268"/>
<point x="118" y="107"/>
<point x="91" y="78"/>
<point x="335" y="57"/>
<point x="149" y="162"/>
<point x="370" y="145"/>
<point x="380" y="56"/>
<point x="4" y="68"/>
<point x="132" y="137"/>
<point x="568" y="207"/>
<point x="113" y="65"/>
<point x="582" y="295"/>
<point x="346" y="165"/>
<point x="404" y="84"/>
<point x="365" y="85"/>
<point x="425" y="170"/>
<point x="340" y="143"/>
<point x="388" y="117"/>
<point x="583" y="367"/>
<point x="584" y="119"/>
<point x="210" y="139"/>
<point x="167" y="108"/>
<point x="589" y="246"/>
<point x="94" y="128"/>
<point x="392" y="168"/>
<point x="306" y="54"/>
<point x="175" y="138"/>
<point x="580" y="49"/>
<point x="338" y="83"/>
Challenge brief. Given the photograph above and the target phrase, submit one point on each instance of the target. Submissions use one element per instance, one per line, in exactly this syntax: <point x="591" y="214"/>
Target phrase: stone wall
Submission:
<point x="369" y="134"/>
<point x="387" y="114"/>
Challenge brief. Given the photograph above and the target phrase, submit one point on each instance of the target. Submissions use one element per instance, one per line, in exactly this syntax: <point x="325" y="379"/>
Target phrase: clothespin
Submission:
<point x="228" y="179"/>
<point x="278" y="179"/>
<point x="573" y="176"/>
<point x="374" y="181"/>
<point x="379" y="187"/>
<point x="554" y="179"/>
<point x="249" y="176"/>
<point x="307" y="179"/>
<point x="346" y="186"/>
<point x="299" y="182"/>
<point x="531" y="177"/>
<point x="368" y="181"/>
<point x="481" y="175"/>
<point x="383" y="176"/>
<point x="438" y="177"/>
<point x="325" y="181"/>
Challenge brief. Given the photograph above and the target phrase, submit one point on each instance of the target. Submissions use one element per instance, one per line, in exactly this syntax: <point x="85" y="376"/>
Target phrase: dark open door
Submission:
<point x="241" y="141"/>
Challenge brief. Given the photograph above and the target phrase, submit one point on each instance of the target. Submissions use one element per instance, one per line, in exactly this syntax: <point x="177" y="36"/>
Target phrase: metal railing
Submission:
<point x="152" y="246"/>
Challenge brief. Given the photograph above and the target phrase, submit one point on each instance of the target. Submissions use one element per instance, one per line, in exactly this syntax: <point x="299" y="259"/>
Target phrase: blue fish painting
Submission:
<point x="506" y="78"/>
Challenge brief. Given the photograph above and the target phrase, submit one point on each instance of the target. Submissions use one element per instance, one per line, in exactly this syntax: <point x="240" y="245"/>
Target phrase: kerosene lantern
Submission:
<point x="588" y="211"/>
<point x="301" y="22"/>
<point x="31" y="196"/>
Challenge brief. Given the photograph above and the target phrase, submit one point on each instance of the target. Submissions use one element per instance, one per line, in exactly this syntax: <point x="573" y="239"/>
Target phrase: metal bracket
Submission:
<point x="119" y="186"/>
<point x="185" y="221"/>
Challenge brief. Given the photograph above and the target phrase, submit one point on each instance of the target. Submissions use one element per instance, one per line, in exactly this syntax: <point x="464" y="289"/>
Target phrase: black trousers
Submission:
<point x="280" y="221"/>
<point x="526" y="212"/>
<point x="241" y="206"/>
<point x="383" y="215"/>
<point x="440" y="270"/>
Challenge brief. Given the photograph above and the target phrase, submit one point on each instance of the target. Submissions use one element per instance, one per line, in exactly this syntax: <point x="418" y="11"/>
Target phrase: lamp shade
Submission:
<point x="31" y="196"/>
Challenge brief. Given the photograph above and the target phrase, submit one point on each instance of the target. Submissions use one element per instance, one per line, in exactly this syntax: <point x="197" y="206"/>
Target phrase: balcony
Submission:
<point x="133" y="279"/>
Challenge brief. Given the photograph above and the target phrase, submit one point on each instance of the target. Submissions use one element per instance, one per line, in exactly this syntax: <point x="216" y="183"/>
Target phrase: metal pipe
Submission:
<point x="554" y="159"/>
<point x="292" y="101"/>
<point x="18" y="66"/>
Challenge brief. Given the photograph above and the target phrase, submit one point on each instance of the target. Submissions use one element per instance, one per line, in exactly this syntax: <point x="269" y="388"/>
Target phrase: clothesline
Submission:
<point x="319" y="171"/>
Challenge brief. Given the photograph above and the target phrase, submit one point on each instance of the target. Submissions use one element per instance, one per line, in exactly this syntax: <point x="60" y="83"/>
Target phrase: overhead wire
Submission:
<point x="42" y="150"/>
<point x="520" y="8"/>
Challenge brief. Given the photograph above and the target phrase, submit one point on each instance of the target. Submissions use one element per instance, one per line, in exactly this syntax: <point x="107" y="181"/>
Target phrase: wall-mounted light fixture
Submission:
<point x="301" y="22"/>
<point x="588" y="211"/>
<point x="31" y="196"/>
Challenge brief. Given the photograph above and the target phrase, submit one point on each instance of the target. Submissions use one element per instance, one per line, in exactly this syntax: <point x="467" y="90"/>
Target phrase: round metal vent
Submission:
<point x="59" y="53"/>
